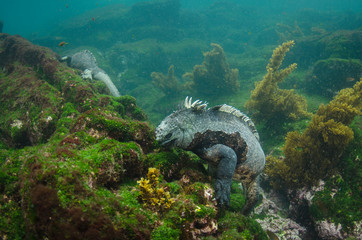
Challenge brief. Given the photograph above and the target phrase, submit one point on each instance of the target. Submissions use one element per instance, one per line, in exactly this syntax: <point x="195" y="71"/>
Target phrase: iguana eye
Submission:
<point x="168" y="136"/>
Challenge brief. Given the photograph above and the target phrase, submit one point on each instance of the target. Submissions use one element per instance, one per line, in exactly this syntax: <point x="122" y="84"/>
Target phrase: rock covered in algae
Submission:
<point x="35" y="85"/>
<point x="328" y="76"/>
<point x="90" y="143"/>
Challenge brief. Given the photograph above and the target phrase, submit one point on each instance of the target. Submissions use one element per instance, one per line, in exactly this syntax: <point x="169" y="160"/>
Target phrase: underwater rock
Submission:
<point x="299" y="208"/>
<point x="329" y="230"/>
<point x="29" y="104"/>
<point x="34" y="86"/>
<point x="345" y="44"/>
<point x="333" y="74"/>
<point x="59" y="186"/>
<point x="15" y="48"/>
<point x="101" y="125"/>
<point x="299" y="202"/>
<point x="285" y="228"/>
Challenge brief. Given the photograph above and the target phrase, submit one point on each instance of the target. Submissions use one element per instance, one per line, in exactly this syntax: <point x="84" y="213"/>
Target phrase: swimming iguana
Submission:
<point x="223" y="136"/>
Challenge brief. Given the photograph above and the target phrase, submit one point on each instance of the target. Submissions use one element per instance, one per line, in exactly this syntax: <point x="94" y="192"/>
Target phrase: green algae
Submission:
<point x="237" y="197"/>
<point x="165" y="231"/>
<point x="11" y="219"/>
<point x="30" y="117"/>
<point x="237" y="226"/>
<point x="176" y="162"/>
<point x="71" y="177"/>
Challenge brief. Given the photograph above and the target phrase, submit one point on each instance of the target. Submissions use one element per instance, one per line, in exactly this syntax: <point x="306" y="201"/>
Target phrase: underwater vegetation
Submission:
<point x="316" y="153"/>
<point x="267" y="101"/>
<point x="152" y="195"/>
<point x="168" y="84"/>
<point x="214" y="76"/>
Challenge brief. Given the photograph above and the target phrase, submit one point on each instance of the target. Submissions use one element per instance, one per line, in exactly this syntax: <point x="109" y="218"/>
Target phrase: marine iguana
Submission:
<point x="223" y="136"/>
<point x="85" y="61"/>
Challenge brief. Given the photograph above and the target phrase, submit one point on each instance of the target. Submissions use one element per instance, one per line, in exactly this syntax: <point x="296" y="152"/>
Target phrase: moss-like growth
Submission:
<point x="12" y="224"/>
<point x="29" y="109"/>
<point x="174" y="164"/>
<point x="152" y="195"/>
<point x="267" y="101"/>
<point x="315" y="153"/>
<point x="165" y="232"/>
<point x="194" y="210"/>
<point x="237" y="197"/>
<point x="168" y="84"/>
<point x="237" y="226"/>
<point x="127" y="107"/>
<point x="100" y="124"/>
<point x="65" y="186"/>
<point x="214" y="76"/>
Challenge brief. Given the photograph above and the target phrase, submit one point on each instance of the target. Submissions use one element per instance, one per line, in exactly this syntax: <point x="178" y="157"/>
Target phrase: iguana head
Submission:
<point x="178" y="129"/>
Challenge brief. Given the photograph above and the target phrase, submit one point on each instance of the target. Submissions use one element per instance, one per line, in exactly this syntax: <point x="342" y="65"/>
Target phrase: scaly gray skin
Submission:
<point x="223" y="136"/>
<point x="85" y="60"/>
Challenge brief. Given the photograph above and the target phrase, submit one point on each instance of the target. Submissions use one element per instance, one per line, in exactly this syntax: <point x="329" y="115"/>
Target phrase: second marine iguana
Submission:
<point x="223" y="136"/>
<point x="85" y="61"/>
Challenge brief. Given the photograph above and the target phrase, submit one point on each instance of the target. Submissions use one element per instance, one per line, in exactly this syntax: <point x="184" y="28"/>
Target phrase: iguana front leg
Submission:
<point x="225" y="158"/>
